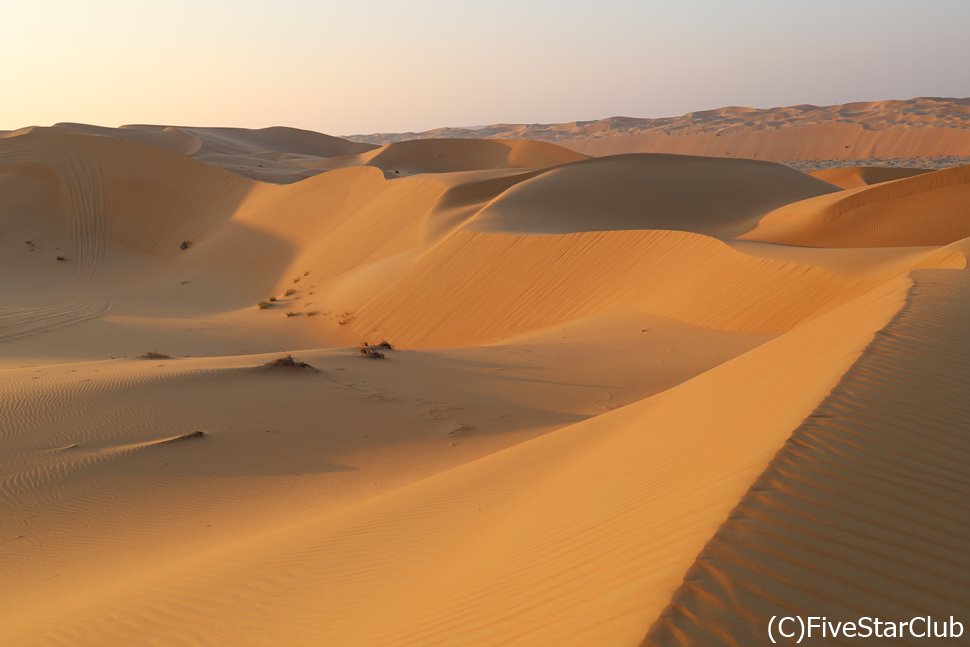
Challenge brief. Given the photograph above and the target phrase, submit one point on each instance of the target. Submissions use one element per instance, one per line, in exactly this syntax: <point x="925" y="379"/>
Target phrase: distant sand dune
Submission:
<point x="920" y="127"/>
<point x="444" y="155"/>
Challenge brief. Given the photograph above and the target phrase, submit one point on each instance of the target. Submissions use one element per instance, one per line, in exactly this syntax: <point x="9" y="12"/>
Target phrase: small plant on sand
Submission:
<point x="288" y="362"/>
<point x="297" y="279"/>
<point x="185" y="245"/>
<point x="370" y="352"/>
<point x="61" y="258"/>
<point x="289" y="293"/>
<point x="265" y="304"/>
<point x="385" y="345"/>
<point x="154" y="355"/>
<point x="293" y="314"/>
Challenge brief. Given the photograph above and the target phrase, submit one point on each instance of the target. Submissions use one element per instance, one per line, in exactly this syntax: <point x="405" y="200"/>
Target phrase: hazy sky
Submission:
<point x="371" y="65"/>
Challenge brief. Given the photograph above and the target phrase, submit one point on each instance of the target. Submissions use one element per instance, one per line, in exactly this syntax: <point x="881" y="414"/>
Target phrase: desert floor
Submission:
<point x="642" y="398"/>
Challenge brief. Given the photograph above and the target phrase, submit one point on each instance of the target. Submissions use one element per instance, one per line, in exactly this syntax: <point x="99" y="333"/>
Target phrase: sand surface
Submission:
<point x="935" y="128"/>
<point x="639" y="398"/>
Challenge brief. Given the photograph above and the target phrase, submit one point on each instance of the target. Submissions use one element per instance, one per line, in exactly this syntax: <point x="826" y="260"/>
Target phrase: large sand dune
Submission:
<point x="643" y="398"/>
<point x="928" y="209"/>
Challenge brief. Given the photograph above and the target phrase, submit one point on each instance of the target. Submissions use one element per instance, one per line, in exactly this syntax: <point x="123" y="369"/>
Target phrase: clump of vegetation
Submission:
<point x="313" y="313"/>
<point x="293" y="314"/>
<point x="154" y="355"/>
<point x="384" y="345"/>
<point x="61" y="258"/>
<point x="289" y="292"/>
<point x="289" y="363"/>
<point x="265" y="304"/>
<point x="185" y="245"/>
<point x="370" y="352"/>
<point x="306" y="273"/>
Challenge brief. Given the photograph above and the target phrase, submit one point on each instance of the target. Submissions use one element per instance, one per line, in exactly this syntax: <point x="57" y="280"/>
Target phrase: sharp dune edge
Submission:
<point x="644" y="398"/>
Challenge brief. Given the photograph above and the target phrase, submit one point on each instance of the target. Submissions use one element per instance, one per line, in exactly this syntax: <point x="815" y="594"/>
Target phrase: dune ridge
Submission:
<point x="862" y="497"/>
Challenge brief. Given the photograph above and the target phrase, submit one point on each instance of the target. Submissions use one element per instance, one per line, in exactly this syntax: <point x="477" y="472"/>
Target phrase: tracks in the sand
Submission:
<point x="79" y="299"/>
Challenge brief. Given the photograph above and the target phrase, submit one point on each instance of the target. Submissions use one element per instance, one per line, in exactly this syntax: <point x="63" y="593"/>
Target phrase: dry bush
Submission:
<point x="287" y="363"/>
<point x="370" y="352"/>
<point x="154" y="355"/>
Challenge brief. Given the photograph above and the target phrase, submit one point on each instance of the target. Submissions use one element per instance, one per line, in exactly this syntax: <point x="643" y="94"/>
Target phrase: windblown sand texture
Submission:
<point x="644" y="398"/>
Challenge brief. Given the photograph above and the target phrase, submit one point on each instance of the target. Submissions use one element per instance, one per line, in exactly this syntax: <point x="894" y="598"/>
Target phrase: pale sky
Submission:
<point x="359" y="66"/>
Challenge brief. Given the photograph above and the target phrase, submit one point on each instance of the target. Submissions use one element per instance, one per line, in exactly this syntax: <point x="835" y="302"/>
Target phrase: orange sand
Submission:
<point x="639" y="398"/>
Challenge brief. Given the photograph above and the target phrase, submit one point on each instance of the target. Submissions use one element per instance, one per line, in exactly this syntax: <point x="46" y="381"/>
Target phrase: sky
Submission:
<point x="349" y="67"/>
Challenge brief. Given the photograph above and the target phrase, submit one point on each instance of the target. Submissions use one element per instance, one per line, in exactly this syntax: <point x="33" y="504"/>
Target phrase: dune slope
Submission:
<point x="670" y="192"/>
<point x="850" y="177"/>
<point x="861" y="512"/>
<point x="928" y="209"/>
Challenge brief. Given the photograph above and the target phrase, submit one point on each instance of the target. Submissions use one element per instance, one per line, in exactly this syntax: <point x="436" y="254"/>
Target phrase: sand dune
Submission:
<point x="670" y="192"/>
<point x="275" y="154"/>
<point x="444" y="155"/>
<point x="929" y="209"/>
<point x="850" y="177"/>
<point x="859" y="510"/>
<point x="649" y="398"/>
<point x="920" y="127"/>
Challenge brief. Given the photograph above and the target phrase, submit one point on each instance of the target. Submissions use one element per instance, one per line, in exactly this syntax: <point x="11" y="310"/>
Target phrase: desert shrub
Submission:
<point x="154" y="355"/>
<point x="288" y="362"/>
<point x="369" y="352"/>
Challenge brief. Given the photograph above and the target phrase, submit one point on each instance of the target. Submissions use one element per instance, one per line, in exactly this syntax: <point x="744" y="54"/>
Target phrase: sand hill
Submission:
<point x="921" y="127"/>
<point x="645" y="398"/>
